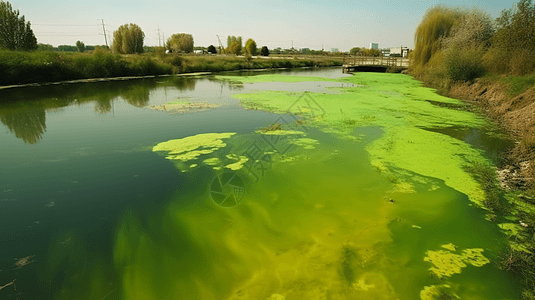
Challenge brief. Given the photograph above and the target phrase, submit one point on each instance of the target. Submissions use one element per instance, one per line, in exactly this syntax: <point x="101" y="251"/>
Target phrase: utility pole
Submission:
<point x="104" y="30"/>
<point x="159" y="42"/>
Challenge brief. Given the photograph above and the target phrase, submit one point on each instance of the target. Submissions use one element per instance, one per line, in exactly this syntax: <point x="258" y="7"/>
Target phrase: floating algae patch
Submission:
<point x="306" y="143"/>
<point x="447" y="263"/>
<point x="273" y="78"/>
<point x="406" y="144"/>
<point x="186" y="151"/>
<point x="178" y="107"/>
<point x="437" y="292"/>
<point x="430" y="154"/>
<point x="237" y="165"/>
<point x="181" y="149"/>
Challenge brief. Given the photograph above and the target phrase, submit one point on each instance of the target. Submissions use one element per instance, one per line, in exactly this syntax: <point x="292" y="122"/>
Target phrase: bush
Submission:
<point x="264" y="51"/>
<point x="464" y="64"/>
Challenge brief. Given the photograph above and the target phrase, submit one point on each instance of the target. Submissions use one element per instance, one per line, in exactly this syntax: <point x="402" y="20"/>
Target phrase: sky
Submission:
<point x="314" y="24"/>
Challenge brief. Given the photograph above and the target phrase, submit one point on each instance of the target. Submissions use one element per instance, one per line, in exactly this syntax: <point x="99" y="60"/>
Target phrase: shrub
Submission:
<point x="464" y="64"/>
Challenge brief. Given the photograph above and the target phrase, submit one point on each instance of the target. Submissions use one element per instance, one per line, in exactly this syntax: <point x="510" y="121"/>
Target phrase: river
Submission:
<point x="303" y="184"/>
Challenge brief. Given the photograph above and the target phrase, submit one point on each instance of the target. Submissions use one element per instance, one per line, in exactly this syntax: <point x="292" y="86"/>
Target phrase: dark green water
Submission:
<point x="104" y="217"/>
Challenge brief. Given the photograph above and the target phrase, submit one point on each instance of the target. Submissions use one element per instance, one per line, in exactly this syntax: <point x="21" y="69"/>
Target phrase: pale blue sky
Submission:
<point x="341" y="24"/>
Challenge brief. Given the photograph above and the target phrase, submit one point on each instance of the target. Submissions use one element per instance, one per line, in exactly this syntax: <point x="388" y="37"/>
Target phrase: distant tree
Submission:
<point x="211" y="49"/>
<point x="264" y="51"/>
<point x="180" y="42"/>
<point x="128" y="39"/>
<point x="15" y="32"/>
<point x="81" y="46"/>
<point x="372" y="52"/>
<point x="354" y="51"/>
<point x="250" y="47"/>
<point x="67" y="48"/>
<point x="45" y="47"/>
<point x="234" y="45"/>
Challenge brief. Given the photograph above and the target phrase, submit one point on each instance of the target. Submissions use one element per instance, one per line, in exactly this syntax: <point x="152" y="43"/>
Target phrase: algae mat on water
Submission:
<point x="403" y="108"/>
<point x="323" y="222"/>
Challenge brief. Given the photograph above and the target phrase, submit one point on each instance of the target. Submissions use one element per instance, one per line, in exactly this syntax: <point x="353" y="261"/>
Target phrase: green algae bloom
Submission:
<point x="186" y="148"/>
<point x="183" y="106"/>
<point x="306" y="143"/>
<point x="446" y="263"/>
<point x="398" y="104"/>
<point x="272" y="78"/>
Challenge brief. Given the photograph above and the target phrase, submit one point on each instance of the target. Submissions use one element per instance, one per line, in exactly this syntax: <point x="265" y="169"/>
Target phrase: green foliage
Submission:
<point x="81" y="46"/>
<point x="211" y="49"/>
<point x="28" y="67"/>
<point x="180" y="42"/>
<point x="234" y="45"/>
<point x="513" y="45"/>
<point x="45" y="47"/>
<point x="464" y="64"/>
<point x="15" y="32"/>
<point x="371" y="52"/>
<point x="264" y="51"/>
<point x="128" y="39"/>
<point x="354" y="50"/>
<point x="67" y="48"/>
<point x="519" y="84"/>
<point x="436" y="25"/>
<point x="250" y="47"/>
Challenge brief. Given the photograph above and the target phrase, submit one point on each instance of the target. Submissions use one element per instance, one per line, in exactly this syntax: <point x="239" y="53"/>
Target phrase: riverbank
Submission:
<point x="18" y="68"/>
<point x="509" y="101"/>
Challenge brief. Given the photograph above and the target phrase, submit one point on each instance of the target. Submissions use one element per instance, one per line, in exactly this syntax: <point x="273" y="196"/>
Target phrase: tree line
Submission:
<point x="461" y="44"/>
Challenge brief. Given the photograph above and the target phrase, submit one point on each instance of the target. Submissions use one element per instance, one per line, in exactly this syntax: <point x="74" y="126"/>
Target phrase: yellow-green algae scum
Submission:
<point x="320" y="223"/>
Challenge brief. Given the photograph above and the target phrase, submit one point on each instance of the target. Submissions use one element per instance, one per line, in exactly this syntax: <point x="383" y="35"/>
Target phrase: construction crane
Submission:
<point x="220" y="45"/>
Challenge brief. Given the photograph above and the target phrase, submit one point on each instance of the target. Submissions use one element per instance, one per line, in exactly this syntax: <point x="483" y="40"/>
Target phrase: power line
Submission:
<point x="69" y="25"/>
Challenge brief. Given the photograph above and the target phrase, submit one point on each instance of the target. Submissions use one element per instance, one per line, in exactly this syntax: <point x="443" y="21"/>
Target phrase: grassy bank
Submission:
<point x="36" y="67"/>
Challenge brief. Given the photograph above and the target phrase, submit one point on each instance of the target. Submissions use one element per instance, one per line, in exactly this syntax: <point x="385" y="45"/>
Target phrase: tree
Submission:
<point x="250" y="47"/>
<point x="128" y="39"/>
<point x="354" y="51"/>
<point x="81" y="46"/>
<point x="15" y="32"/>
<point x="436" y="25"/>
<point x="513" y="44"/>
<point x="371" y="52"/>
<point x="211" y="49"/>
<point x="234" y="45"/>
<point x="45" y="47"/>
<point x="264" y="51"/>
<point x="180" y="42"/>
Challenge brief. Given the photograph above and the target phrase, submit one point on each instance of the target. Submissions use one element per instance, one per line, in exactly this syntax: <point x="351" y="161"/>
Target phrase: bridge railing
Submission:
<point x="387" y="61"/>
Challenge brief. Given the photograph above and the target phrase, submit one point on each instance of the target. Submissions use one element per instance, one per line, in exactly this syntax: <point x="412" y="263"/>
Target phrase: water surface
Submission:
<point x="333" y="210"/>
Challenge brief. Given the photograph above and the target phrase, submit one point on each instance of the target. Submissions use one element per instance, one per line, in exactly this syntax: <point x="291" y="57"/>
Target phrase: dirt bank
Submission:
<point x="517" y="116"/>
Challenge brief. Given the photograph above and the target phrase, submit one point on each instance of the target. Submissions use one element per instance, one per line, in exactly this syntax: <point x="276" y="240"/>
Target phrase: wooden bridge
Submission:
<point x="375" y="64"/>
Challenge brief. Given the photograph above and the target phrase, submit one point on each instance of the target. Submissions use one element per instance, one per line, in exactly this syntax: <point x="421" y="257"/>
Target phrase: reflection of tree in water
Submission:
<point x="28" y="125"/>
<point x="230" y="85"/>
<point x="137" y="95"/>
<point x="103" y="106"/>
<point x="184" y="83"/>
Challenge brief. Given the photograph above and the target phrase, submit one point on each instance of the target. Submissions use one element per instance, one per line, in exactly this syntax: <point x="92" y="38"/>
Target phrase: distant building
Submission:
<point x="304" y="50"/>
<point x="386" y="52"/>
<point x="333" y="50"/>
<point x="374" y="46"/>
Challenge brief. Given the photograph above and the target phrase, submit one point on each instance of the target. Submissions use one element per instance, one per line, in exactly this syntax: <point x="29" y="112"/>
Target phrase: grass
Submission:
<point x="35" y="67"/>
<point x="519" y="84"/>
<point x="485" y="175"/>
